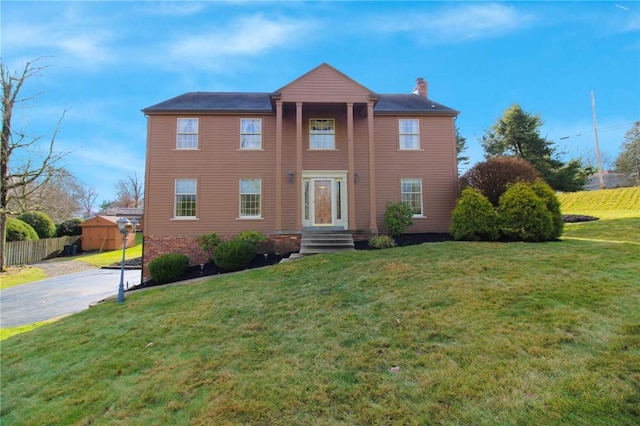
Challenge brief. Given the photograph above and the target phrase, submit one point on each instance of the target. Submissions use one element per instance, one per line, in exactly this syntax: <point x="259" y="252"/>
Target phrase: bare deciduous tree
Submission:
<point x="37" y="159"/>
<point x="87" y="196"/>
<point x="130" y="191"/>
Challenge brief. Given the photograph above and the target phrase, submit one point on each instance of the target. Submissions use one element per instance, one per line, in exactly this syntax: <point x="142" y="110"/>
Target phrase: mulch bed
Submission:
<point x="260" y="260"/>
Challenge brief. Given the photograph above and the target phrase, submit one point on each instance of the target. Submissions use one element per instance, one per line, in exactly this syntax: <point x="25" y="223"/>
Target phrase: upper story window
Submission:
<point x="411" y="189"/>
<point x="187" y="137"/>
<point x="322" y="133"/>
<point x="185" y="198"/>
<point x="409" y="134"/>
<point x="250" y="133"/>
<point x="250" y="198"/>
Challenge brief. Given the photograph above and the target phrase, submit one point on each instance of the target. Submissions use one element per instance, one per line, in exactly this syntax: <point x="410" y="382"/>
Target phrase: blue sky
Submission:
<point x="108" y="60"/>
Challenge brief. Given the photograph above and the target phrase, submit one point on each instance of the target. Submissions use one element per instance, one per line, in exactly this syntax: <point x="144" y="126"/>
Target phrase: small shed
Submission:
<point x="101" y="233"/>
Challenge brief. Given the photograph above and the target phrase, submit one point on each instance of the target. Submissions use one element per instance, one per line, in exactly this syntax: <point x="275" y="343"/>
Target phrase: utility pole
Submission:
<point x="595" y="130"/>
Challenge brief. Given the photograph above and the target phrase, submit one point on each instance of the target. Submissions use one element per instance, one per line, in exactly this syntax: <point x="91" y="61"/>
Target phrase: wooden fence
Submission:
<point x="25" y="252"/>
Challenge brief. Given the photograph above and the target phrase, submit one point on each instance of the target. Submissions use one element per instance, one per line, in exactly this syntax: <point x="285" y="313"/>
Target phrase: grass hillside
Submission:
<point x="605" y="203"/>
<point x="443" y="333"/>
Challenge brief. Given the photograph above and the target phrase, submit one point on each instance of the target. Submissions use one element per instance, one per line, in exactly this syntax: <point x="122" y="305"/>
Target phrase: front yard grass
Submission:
<point x="441" y="333"/>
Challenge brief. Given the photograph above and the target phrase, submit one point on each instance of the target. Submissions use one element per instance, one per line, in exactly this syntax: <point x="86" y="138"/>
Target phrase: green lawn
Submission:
<point x="444" y="333"/>
<point x="606" y="203"/>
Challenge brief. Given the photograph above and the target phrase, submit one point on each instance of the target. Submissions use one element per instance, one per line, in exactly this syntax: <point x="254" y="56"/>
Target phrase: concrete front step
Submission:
<point x="317" y="242"/>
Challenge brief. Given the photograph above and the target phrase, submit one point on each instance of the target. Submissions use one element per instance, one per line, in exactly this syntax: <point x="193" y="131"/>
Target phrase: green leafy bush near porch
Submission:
<point x="254" y="237"/>
<point x="168" y="267"/>
<point x="397" y="217"/>
<point x="208" y="243"/>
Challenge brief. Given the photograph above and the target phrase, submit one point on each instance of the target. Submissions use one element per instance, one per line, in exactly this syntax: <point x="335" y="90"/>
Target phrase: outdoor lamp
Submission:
<point x="123" y="225"/>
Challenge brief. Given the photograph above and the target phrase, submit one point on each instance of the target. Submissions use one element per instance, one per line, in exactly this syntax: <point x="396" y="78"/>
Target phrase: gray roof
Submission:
<point x="261" y="103"/>
<point x="215" y="101"/>
<point x="409" y="103"/>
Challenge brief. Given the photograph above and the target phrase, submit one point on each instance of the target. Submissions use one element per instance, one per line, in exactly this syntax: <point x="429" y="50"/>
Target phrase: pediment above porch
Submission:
<point x="324" y="84"/>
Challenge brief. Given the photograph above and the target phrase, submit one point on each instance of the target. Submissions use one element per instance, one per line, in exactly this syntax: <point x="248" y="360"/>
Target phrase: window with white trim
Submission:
<point x="185" y="198"/>
<point x="187" y="135"/>
<point x="250" y="198"/>
<point x="409" y="134"/>
<point x="411" y="189"/>
<point x="322" y="133"/>
<point x="250" y="133"/>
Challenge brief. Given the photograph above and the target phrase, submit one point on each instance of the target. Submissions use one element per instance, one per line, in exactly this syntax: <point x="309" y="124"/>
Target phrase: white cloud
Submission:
<point x="460" y="23"/>
<point x="243" y="38"/>
<point x="165" y="8"/>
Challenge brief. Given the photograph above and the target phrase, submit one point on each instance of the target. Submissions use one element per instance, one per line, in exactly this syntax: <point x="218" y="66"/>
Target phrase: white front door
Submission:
<point x="324" y="199"/>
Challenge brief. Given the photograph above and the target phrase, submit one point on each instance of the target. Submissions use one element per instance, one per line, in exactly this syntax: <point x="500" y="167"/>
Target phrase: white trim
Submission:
<point x="259" y="148"/>
<point x="419" y="179"/>
<point x="400" y="134"/>
<point x="334" y="176"/>
<point x="333" y="120"/>
<point x="175" y="196"/>
<point x="240" y="216"/>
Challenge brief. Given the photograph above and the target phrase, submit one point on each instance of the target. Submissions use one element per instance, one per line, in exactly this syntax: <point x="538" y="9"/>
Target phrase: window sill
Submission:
<point x="250" y="149"/>
<point x="418" y="216"/>
<point x="322" y="149"/>
<point x="184" y="218"/>
<point x="249" y="218"/>
<point x="409" y="149"/>
<point x="186" y="149"/>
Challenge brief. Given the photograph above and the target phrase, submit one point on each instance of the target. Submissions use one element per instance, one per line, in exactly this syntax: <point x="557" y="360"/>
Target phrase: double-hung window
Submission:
<point x="250" y="133"/>
<point x="185" y="198"/>
<point x="250" y="198"/>
<point x="411" y="189"/>
<point x="187" y="135"/>
<point x="322" y="133"/>
<point x="409" y="134"/>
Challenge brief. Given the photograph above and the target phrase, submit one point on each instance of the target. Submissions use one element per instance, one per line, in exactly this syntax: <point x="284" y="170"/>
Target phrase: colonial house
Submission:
<point x="321" y="153"/>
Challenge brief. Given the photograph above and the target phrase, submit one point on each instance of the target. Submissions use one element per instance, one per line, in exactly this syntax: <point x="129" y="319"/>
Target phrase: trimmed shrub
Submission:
<point x="208" y="243"/>
<point x="17" y="230"/>
<point x="41" y="222"/>
<point x="493" y="176"/>
<point x="168" y="267"/>
<point x="254" y="237"/>
<point x="69" y="227"/>
<point x="382" y="242"/>
<point x="474" y="218"/>
<point x="524" y="215"/>
<point x="234" y="255"/>
<point x="548" y="195"/>
<point x="397" y="217"/>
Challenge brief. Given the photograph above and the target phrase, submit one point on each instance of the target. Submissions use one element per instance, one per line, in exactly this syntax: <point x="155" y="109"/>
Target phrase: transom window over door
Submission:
<point x="412" y="194"/>
<point x="409" y="134"/>
<point x="251" y="133"/>
<point x="322" y="133"/>
<point x="187" y="137"/>
<point x="250" y="198"/>
<point x="185" y="198"/>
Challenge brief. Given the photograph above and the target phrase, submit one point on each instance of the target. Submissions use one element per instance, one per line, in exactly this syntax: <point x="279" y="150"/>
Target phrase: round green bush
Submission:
<point x="382" y="242"/>
<point x="41" y="222"/>
<point x="69" y="227"/>
<point x="474" y="218"/>
<point x="17" y="230"/>
<point x="397" y="217"/>
<point x="524" y="215"/>
<point x="168" y="267"/>
<point x="234" y="255"/>
<point x="548" y="195"/>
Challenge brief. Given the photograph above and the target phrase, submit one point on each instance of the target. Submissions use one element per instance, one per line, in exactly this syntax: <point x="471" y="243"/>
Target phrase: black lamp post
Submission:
<point x="124" y="226"/>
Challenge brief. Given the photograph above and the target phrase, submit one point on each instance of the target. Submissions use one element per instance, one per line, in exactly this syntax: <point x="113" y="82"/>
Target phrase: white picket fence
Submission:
<point x="26" y="252"/>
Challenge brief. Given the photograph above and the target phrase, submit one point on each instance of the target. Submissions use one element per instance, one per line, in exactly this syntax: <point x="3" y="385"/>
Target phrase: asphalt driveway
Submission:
<point x="61" y="295"/>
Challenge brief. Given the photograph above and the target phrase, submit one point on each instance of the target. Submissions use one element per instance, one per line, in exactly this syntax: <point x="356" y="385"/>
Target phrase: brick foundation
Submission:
<point x="156" y="245"/>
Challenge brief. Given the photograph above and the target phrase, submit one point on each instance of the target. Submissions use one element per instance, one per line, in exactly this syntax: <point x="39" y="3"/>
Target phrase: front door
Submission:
<point x="324" y="199"/>
<point x="323" y="209"/>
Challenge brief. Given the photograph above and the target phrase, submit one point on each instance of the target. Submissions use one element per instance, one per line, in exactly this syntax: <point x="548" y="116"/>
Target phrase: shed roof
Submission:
<point x="101" y="220"/>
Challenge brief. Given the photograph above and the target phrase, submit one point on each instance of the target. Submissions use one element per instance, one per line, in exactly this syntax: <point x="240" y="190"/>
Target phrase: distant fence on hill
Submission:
<point x="26" y="252"/>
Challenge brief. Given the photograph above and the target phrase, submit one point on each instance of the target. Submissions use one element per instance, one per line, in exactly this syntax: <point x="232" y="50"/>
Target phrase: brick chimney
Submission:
<point x="421" y="87"/>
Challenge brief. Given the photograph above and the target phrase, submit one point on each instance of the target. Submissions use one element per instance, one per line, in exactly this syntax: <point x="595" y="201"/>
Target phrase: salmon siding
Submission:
<point x="322" y="152"/>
